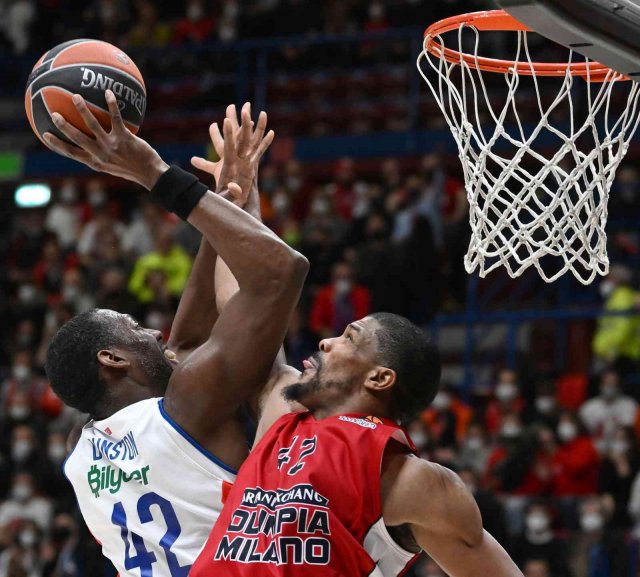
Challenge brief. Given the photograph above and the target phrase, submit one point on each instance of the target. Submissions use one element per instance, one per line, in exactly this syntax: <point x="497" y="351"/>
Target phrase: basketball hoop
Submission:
<point x="536" y="188"/>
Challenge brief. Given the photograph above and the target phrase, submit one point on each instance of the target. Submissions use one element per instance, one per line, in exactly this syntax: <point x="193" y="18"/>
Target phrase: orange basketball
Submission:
<point x="88" y="68"/>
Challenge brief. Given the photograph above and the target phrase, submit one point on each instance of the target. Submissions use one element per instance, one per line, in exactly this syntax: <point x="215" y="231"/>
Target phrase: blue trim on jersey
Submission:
<point x="192" y="441"/>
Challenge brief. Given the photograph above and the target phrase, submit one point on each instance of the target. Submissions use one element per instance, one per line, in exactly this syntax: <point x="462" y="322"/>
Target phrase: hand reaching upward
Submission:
<point x="240" y="150"/>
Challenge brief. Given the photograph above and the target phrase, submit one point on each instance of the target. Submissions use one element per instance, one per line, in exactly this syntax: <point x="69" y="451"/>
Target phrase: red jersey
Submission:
<point x="307" y="502"/>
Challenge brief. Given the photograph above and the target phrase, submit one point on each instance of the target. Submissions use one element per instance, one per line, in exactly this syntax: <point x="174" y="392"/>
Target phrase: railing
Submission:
<point x="472" y="319"/>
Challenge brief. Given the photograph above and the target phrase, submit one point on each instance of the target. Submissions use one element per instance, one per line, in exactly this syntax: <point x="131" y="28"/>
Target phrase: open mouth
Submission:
<point x="310" y="363"/>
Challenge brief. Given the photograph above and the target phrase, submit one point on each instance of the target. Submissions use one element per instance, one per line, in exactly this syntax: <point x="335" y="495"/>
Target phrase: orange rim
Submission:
<point x="499" y="20"/>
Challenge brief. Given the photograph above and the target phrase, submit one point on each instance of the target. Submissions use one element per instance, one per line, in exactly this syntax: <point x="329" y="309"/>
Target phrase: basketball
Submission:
<point x="88" y="68"/>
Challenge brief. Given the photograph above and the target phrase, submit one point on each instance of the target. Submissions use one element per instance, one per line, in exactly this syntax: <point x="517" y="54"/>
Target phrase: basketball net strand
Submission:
<point x="518" y="214"/>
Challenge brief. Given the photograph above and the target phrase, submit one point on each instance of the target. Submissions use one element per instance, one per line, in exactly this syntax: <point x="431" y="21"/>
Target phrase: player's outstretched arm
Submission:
<point x="443" y="517"/>
<point x="209" y="281"/>
<point x="246" y="338"/>
<point x="268" y="404"/>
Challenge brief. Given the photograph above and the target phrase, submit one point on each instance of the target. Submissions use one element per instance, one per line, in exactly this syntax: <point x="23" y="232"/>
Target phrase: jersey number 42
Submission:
<point x="144" y="559"/>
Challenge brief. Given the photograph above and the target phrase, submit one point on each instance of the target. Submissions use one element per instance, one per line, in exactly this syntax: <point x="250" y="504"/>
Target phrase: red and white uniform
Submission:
<point x="307" y="502"/>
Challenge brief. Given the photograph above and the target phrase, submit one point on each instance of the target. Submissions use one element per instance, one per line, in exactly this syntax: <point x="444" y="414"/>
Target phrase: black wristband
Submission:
<point x="178" y="191"/>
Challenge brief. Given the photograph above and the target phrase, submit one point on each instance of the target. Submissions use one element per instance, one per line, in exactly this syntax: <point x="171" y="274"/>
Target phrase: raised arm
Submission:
<point x="197" y="311"/>
<point x="443" y="517"/>
<point x="244" y="341"/>
<point x="267" y="404"/>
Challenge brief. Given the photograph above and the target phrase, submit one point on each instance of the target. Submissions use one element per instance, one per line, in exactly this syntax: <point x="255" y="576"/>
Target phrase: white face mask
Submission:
<point x="591" y="522"/>
<point x="619" y="447"/>
<point x="537" y="522"/>
<point x="474" y="443"/>
<point x="194" y="12"/>
<point x="419" y="438"/>
<point x="20" y="449"/>
<point x="70" y="293"/>
<point x="27" y="294"/>
<point x="97" y="197"/>
<point x="22" y="492"/>
<point x="442" y="401"/>
<point x="342" y="286"/>
<point x="28" y="538"/>
<point x="567" y="431"/>
<point x="20" y="372"/>
<point x="510" y="430"/>
<point x="68" y="193"/>
<point x="545" y="405"/>
<point x="320" y="207"/>
<point x="57" y="452"/>
<point x="280" y="202"/>
<point x="506" y="392"/>
<point x="471" y="487"/>
<point x="606" y="288"/>
<point x="155" y="320"/>
<point x="19" y="412"/>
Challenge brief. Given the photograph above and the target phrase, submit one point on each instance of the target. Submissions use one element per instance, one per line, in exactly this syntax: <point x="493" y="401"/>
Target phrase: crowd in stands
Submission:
<point x="36" y="25"/>
<point x="555" y="473"/>
<point x="553" y="461"/>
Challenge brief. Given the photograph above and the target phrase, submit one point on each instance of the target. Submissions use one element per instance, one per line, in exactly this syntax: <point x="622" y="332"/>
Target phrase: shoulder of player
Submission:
<point x="74" y="436"/>
<point x="418" y="492"/>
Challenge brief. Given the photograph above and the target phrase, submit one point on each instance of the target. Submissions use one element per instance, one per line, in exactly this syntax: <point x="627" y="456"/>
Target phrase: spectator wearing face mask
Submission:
<point x="65" y="556"/>
<point x="25" y="454"/>
<point x="161" y="273"/>
<point x="448" y="417"/>
<point x="25" y="504"/>
<point x="619" y="468"/>
<point x="63" y="216"/>
<point x="22" y="381"/>
<point x="52" y="478"/>
<point x="339" y="303"/>
<point x="23" y="556"/>
<point x="474" y="449"/>
<point x="506" y="400"/>
<point x="420" y="436"/>
<point x="597" y="550"/>
<point x="575" y="461"/>
<point x="492" y="511"/>
<point x="545" y="405"/>
<point x="538" y="541"/>
<point x="617" y="338"/>
<point x="512" y="471"/>
<point x="603" y="414"/>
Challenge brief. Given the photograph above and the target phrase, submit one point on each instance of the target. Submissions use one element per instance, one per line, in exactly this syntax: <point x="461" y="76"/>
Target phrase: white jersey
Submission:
<point x="149" y="493"/>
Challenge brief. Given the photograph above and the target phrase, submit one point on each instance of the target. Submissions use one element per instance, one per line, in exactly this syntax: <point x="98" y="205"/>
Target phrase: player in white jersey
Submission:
<point x="150" y="468"/>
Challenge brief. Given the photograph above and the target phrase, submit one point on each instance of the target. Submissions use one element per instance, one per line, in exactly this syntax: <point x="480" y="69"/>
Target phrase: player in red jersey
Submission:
<point x="333" y="487"/>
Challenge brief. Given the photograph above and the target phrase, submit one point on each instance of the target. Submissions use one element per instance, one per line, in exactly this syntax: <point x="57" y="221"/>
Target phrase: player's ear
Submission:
<point x="112" y="359"/>
<point x="380" y="379"/>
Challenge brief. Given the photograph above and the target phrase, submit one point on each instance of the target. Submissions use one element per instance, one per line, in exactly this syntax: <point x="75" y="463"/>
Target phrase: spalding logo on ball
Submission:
<point x="88" y="68"/>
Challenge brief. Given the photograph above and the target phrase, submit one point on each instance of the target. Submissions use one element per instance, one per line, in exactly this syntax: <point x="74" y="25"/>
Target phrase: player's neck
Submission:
<point x="368" y="406"/>
<point x="119" y="397"/>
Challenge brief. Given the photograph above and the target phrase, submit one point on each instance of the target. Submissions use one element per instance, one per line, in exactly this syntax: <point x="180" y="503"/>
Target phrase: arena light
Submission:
<point x="32" y="195"/>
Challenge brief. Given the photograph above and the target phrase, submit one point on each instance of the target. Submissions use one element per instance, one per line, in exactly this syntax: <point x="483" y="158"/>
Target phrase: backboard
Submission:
<point x="607" y="31"/>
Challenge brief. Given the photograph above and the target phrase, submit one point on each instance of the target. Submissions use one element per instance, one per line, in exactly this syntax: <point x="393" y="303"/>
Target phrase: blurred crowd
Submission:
<point x="36" y="25"/>
<point x="552" y="461"/>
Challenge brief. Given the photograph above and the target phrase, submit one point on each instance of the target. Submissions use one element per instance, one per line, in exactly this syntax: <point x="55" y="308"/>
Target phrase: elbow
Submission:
<point x="299" y="266"/>
<point x="288" y="269"/>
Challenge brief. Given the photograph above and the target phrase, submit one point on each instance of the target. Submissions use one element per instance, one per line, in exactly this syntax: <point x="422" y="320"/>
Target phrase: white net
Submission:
<point x="537" y="187"/>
